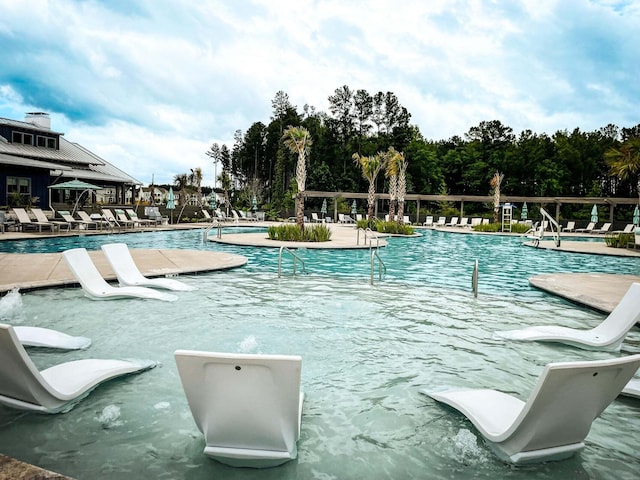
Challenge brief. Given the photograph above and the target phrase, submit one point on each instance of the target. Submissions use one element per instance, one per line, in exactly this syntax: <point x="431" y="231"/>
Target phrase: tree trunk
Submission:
<point x="400" y="212"/>
<point x="371" y="198"/>
<point x="300" y="211"/>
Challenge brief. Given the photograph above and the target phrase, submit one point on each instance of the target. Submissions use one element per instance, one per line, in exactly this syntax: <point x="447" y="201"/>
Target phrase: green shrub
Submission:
<point x="497" y="227"/>
<point x="393" y="228"/>
<point x="618" y="239"/>
<point x="291" y="233"/>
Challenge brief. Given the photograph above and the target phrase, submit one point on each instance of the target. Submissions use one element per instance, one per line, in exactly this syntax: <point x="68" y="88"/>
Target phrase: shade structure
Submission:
<point x="171" y="202"/>
<point x="212" y="201"/>
<point x="354" y="208"/>
<point x="323" y="209"/>
<point x="524" y="211"/>
<point x="75" y="185"/>
<point x="594" y="214"/>
<point x="254" y="203"/>
<point x="636" y="216"/>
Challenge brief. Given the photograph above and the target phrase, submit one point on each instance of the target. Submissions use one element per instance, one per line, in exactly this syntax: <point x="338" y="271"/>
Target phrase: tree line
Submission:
<point x="605" y="162"/>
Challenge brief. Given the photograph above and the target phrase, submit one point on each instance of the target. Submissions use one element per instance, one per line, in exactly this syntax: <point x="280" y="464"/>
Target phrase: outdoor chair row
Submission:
<point x="465" y="222"/>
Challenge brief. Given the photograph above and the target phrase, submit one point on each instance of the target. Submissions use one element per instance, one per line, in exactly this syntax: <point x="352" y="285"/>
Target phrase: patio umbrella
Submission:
<point x="523" y="214"/>
<point x="323" y="209"/>
<point x="171" y="202"/>
<point x="212" y="201"/>
<point x="354" y="208"/>
<point x="594" y="214"/>
<point x="636" y="216"/>
<point x="75" y="185"/>
<point x="254" y="203"/>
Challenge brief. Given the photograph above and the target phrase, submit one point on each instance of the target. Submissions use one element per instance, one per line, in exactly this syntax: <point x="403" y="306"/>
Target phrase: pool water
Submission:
<point x="367" y="351"/>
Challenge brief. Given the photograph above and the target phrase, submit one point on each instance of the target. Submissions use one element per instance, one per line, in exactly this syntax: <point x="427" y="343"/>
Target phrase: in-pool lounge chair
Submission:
<point x="47" y="338"/>
<point x="97" y="288"/>
<point x="556" y="418"/>
<point x="632" y="388"/>
<point x="248" y="407"/>
<point x="125" y="268"/>
<point x="607" y="336"/>
<point x="56" y="389"/>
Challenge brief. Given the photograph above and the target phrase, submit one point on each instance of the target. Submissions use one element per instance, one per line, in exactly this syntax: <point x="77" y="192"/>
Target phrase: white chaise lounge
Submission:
<point x="553" y="423"/>
<point x="95" y="287"/>
<point x="607" y="336"/>
<point x="47" y="338"/>
<point x="122" y="263"/>
<point x="248" y="407"/>
<point x="56" y="389"/>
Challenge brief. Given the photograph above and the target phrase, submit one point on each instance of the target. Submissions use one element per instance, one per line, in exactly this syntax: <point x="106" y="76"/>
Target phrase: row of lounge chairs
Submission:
<point x="127" y="218"/>
<point x="464" y="222"/>
<point x="236" y="216"/>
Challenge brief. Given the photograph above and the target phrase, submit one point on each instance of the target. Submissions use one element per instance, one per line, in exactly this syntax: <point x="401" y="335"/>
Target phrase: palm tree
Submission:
<point x="391" y="172"/>
<point x="196" y="179"/>
<point x="181" y="181"/>
<point x="371" y="167"/>
<point x="624" y="162"/>
<point x="402" y="183"/>
<point x="495" y="182"/>
<point x="298" y="140"/>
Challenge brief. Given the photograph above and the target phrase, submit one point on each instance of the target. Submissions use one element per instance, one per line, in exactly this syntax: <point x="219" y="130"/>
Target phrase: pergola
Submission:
<point x="557" y="201"/>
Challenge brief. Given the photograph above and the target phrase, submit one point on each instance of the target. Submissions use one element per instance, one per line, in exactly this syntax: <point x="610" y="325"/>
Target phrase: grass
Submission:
<point x="386" y="227"/>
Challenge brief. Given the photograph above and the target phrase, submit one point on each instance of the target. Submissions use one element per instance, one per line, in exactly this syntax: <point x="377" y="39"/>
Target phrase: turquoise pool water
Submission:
<point x="366" y="350"/>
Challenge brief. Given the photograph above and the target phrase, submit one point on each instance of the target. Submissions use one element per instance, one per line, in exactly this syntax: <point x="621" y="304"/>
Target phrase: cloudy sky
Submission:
<point x="149" y="85"/>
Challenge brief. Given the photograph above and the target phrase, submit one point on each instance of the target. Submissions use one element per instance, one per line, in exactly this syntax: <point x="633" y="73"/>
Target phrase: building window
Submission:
<point x="20" y="137"/>
<point x="19" y="190"/>
<point x="47" y="142"/>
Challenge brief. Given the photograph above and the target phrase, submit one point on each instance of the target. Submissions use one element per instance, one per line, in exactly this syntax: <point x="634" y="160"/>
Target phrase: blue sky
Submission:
<point x="149" y="85"/>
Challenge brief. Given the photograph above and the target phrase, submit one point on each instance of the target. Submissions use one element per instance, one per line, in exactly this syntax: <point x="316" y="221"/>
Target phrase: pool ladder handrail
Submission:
<point x="295" y="259"/>
<point x="381" y="266"/>
<point x="368" y="235"/>
<point x="214" y="224"/>
<point x="536" y="233"/>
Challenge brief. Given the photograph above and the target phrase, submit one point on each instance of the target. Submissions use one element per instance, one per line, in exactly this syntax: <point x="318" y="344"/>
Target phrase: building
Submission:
<point x="34" y="158"/>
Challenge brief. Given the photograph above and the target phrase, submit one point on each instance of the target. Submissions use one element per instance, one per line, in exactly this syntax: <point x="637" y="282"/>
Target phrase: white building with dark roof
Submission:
<point x="33" y="158"/>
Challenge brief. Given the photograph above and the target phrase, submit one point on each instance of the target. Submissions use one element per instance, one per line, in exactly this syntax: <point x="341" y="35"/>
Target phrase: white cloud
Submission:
<point x="150" y="85"/>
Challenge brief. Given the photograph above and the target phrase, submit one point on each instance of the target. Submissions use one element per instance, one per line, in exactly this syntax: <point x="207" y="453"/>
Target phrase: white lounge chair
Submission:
<point x="632" y="389"/>
<point x="588" y="229"/>
<point x="125" y="268"/>
<point x="553" y="423"/>
<point x="607" y="336"/>
<point x="428" y="222"/>
<point x="56" y="389"/>
<point x="96" y="287"/>
<point x="405" y="220"/>
<point x="603" y="229"/>
<point x="464" y="222"/>
<point x="86" y="218"/>
<point x="452" y="223"/>
<point x="441" y="221"/>
<point x="571" y="226"/>
<point x="42" y="218"/>
<point x="248" y="407"/>
<point x="141" y="222"/>
<point x="315" y="218"/>
<point x="25" y="222"/>
<point x="47" y="338"/>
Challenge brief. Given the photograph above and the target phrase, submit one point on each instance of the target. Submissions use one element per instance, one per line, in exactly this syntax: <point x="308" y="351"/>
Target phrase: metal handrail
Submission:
<point x="537" y="233"/>
<point x="381" y="266"/>
<point x="474" y="279"/>
<point x="214" y="224"/>
<point x="368" y="235"/>
<point x="295" y="259"/>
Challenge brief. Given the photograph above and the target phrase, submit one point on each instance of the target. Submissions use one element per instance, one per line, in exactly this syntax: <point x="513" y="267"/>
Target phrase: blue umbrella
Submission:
<point x="171" y="202"/>
<point x="354" y="208"/>
<point x="636" y="216"/>
<point x="594" y="214"/>
<point x="254" y="204"/>
<point x="212" y="201"/>
<point x="523" y="213"/>
<point x="323" y="210"/>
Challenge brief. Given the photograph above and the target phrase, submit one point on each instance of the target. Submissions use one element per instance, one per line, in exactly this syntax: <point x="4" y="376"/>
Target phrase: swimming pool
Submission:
<point x="366" y="350"/>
